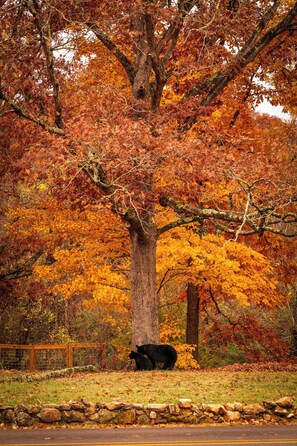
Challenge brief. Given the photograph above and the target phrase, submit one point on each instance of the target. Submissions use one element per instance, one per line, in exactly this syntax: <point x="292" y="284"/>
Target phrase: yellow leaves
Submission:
<point x="217" y="191"/>
<point x="88" y="249"/>
<point x="232" y="270"/>
<point x="171" y="333"/>
<point x="83" y="269"/>
<point x="217" y="114"/>
<point x="185" y="358"/>
<point x="168" y="331"/>
<point x="170" y="97"/>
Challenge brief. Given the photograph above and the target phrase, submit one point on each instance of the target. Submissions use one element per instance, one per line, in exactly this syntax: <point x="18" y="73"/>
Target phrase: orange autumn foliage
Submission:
<point x="145" y="109"/>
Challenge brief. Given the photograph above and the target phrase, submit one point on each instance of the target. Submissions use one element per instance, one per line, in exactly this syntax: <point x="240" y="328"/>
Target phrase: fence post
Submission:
<point x="69" y="356"/>
<point x="32" y="359"/>
<point x="104" y="356"/>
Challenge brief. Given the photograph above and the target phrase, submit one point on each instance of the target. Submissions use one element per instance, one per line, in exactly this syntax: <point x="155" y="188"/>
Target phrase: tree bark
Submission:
<point x="145" y="318"/>
<point x="192" y="329"/>
<point x="293" y="306"/>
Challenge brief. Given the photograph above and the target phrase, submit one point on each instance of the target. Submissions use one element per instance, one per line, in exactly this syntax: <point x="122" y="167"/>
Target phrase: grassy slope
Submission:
<point x="154" y="387"/>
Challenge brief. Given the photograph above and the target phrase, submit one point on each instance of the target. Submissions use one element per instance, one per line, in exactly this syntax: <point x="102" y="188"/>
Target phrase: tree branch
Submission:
<point x="122" y="58"/>
<point x="259" y="220"/>
<point x="44" y="30"/>
<point x="20" y="111"/>
<point x="254" y="45"/>
<point x="219" y="311"/>
<point x="22" y="271"/>
<point x="172" y="33"/>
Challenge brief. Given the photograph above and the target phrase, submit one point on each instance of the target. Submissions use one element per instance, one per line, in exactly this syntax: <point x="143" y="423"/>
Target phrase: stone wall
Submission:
<point x="120" y="413"/>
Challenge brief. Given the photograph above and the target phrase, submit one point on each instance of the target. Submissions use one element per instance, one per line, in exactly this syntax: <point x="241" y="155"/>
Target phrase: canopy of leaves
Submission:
<point x="137" y="117"/>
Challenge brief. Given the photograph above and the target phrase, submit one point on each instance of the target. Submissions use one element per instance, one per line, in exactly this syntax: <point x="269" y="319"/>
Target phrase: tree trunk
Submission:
<point x="192" y="330"/>
<point x="293" y="306"/>
<point x="145" y="319"/>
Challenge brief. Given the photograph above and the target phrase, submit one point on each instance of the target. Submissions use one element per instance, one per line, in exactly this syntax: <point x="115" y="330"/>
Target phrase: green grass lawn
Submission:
<point x="153" y="387"/>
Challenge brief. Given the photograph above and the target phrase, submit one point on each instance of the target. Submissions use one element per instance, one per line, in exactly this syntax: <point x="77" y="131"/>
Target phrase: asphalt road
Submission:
<point x="153" y="436"/>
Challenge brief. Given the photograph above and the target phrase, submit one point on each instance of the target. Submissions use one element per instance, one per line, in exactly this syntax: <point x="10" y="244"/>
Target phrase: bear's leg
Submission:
<point x="138" y="365"/>
<point x="154" y="364"/>
<point x="168" y="365"/>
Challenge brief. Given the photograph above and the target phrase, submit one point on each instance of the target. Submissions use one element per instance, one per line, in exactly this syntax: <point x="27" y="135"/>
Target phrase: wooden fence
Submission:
<point x="52" y="356"/>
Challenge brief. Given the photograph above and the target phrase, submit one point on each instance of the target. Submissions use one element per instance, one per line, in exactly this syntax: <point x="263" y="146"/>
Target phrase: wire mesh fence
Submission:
<point x="53" y="357"/>
<point x="14" y="358"/>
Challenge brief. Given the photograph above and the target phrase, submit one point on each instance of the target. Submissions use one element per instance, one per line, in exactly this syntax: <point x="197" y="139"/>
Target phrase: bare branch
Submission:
<point x="245" y="216"/>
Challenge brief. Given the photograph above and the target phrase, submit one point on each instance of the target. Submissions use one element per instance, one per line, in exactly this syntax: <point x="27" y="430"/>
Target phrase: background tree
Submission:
<point x="69" y="270"/>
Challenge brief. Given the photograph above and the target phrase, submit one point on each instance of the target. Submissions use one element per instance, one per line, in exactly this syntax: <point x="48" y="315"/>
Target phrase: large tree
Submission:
<point x="147" y="138"/>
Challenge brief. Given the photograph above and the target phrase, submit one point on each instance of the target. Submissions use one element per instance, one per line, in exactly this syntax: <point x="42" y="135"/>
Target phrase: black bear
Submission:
<point x="142" y="362"/>
<point x="159" y="353"/>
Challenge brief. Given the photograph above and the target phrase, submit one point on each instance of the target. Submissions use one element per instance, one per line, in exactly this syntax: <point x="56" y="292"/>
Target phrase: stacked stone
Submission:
<point x="120" y="413"/>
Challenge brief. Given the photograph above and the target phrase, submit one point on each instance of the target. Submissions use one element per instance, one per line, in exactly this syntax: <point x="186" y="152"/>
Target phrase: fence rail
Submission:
<point x="52" y="356"/>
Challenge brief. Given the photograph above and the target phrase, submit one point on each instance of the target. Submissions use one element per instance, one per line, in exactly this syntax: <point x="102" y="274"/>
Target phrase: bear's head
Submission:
<point x="133" y="355"/>
<point x="140" y="349"/>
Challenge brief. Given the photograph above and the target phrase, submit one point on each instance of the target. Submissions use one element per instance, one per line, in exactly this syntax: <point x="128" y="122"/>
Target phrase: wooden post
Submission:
<point x="32" y="358"/>
<point x="104" y="356"/>
<point x="69" y="356"/>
